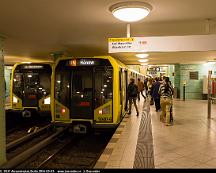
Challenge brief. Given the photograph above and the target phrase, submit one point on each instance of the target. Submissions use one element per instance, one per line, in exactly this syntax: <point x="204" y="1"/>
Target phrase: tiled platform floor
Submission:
<point x="120" y="152"/>
<point x="189" y="143"/>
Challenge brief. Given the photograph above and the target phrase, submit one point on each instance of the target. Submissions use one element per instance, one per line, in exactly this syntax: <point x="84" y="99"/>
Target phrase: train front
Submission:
<point x="31" y="86"/>
<point x="83" y="92"/>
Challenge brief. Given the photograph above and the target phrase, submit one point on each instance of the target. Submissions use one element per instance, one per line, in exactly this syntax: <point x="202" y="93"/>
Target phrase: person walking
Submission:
<point x="166" y="93"/>
<point x="140" y="85"/>
<point x="132" y="95"/>
<point x="145" y="86"/>
<point x="149" y="85"/>
<point x="155" y="94"/>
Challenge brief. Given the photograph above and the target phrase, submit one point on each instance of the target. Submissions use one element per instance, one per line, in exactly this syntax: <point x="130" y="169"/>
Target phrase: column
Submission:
<point x="2" y="108"/>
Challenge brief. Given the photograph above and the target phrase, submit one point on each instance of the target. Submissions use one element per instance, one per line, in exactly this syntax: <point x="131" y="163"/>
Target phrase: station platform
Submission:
<point x="145" y="142"/>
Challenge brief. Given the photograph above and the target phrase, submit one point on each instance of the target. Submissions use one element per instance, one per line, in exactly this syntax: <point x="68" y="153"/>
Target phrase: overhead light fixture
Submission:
<point x="143" y="60"/>
<point x="130" y="11"/>
<point x="142" y="55"/>
<point x="26" y="62"/>
<point x="144" y="64"/>
<point x="210" y="62"/>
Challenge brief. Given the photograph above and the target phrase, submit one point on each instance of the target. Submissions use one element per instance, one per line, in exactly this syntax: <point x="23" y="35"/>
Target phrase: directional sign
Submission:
<point x="163" y="43"/>
<point x="135" y="44"/>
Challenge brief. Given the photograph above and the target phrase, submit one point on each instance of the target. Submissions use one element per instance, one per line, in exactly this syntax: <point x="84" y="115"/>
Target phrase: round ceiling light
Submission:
<point x="130" y="11"/>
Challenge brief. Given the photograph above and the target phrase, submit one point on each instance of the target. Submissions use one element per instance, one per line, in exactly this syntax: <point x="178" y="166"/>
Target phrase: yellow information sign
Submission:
<point x="120" y="39"/>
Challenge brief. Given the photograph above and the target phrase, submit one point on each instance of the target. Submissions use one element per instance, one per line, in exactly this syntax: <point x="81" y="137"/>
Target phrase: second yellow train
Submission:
<point x="30" y="88"/>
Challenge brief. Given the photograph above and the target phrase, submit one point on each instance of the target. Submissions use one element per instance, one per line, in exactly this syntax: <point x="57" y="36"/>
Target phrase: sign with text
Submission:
<point x="135" y="44"/>
<point x="163" y="43"/>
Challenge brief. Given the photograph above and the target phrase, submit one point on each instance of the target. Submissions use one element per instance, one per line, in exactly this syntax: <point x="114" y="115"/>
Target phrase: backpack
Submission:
<point x="133" y="90"/>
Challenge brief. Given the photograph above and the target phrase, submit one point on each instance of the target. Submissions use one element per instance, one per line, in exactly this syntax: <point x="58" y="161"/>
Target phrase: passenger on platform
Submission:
<point x="149" y="85"/>
<point x="145" y="86"/>
<point x="132" y="95"/>
<point x="166" y="93"/>
<point x="140" y="85"/>
<point x="155" y="94"/>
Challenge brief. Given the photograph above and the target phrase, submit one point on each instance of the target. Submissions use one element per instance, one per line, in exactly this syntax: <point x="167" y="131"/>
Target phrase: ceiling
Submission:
<point x="35" y="29"/>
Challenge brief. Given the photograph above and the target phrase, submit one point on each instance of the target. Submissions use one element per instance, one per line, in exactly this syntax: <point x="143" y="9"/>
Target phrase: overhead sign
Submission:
<point x="134" y="44"/>
<point x="163" y="44"/>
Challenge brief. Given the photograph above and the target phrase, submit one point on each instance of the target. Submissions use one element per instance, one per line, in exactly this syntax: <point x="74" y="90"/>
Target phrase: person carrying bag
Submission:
<point x="132" y="95"/>
<point x="166" y="93"/>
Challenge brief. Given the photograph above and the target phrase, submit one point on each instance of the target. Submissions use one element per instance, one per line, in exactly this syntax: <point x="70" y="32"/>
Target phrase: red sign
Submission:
<point x="84" y="104"/>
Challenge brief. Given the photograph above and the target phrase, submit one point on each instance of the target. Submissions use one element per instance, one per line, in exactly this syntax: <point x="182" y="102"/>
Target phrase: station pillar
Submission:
<point x="2" y="107"/>
<point x="209" y="93"/>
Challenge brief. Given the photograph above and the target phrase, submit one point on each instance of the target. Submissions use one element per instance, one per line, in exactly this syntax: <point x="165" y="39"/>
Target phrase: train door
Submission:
<point x="126" y="85"/>
<point x="121" y="90"/>
<point x="81" y="93"/>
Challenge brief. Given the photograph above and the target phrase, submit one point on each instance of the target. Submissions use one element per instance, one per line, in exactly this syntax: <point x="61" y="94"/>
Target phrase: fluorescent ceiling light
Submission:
<point x="144" y="64"/>
<point x="26" y="62"/>
<point x="143" y="60"/>
<point x="131" y="11"/>
<point x="142" y="55"/>
<point x="211" y="62"/>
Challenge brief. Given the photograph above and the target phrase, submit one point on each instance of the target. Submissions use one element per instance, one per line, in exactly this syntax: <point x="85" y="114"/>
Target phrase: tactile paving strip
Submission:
<point x="144" y="157"/>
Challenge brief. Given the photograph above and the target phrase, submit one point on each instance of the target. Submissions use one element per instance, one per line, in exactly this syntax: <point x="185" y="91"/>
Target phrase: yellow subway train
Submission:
<point x="90" y="92"/>
<point x="31" y="88"/>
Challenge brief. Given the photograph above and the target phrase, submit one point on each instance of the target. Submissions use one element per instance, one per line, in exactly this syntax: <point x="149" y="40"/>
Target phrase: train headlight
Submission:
<point x="47" y="101"/>
<point x="15" y="100"/>
<point x="105" y="110"/>
<point x="63" y="111"/>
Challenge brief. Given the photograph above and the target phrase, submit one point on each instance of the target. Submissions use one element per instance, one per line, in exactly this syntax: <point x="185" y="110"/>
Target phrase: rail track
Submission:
<point x="73" y="152"/>
<point x="20" y="150"/>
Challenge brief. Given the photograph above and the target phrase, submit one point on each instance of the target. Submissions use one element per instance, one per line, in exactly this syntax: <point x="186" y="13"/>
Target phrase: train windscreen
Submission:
<point x="31" y="83"/>
<point x="83" y="85"/>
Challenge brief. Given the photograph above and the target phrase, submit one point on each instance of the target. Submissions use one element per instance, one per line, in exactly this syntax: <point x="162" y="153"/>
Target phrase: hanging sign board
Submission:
<point x="135" y="44"/>
<point x="163" y="44"/>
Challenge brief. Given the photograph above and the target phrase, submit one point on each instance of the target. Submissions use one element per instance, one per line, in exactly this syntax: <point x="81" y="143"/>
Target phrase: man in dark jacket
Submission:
<point x="132" y="92"/>
<point x="155" y="94"/>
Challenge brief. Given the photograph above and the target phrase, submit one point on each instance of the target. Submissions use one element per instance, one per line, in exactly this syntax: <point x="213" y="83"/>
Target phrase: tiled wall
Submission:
<point x="7" y="73"/>
<point x="194" y="88"/>
<point x="171" y="70"/>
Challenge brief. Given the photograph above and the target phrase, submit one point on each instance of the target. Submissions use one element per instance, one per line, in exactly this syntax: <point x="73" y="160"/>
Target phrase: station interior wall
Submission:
<point x="194" y="88"/>
<point x="7" y="75"/>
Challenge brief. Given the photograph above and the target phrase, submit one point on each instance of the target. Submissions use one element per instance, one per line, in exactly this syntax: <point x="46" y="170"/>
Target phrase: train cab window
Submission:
<point x="103" y="85"/>
<point x="62" y="86"/>
<point x="18" y="84"/>
<point x="82" y="85"/>
<point x="32" y="82"/>
<point x="31" y="87"/>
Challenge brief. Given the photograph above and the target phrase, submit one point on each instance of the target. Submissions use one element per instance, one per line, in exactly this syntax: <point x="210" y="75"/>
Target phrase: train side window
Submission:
<point x="103" y="85"/>
<point x="120" y="80"/>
